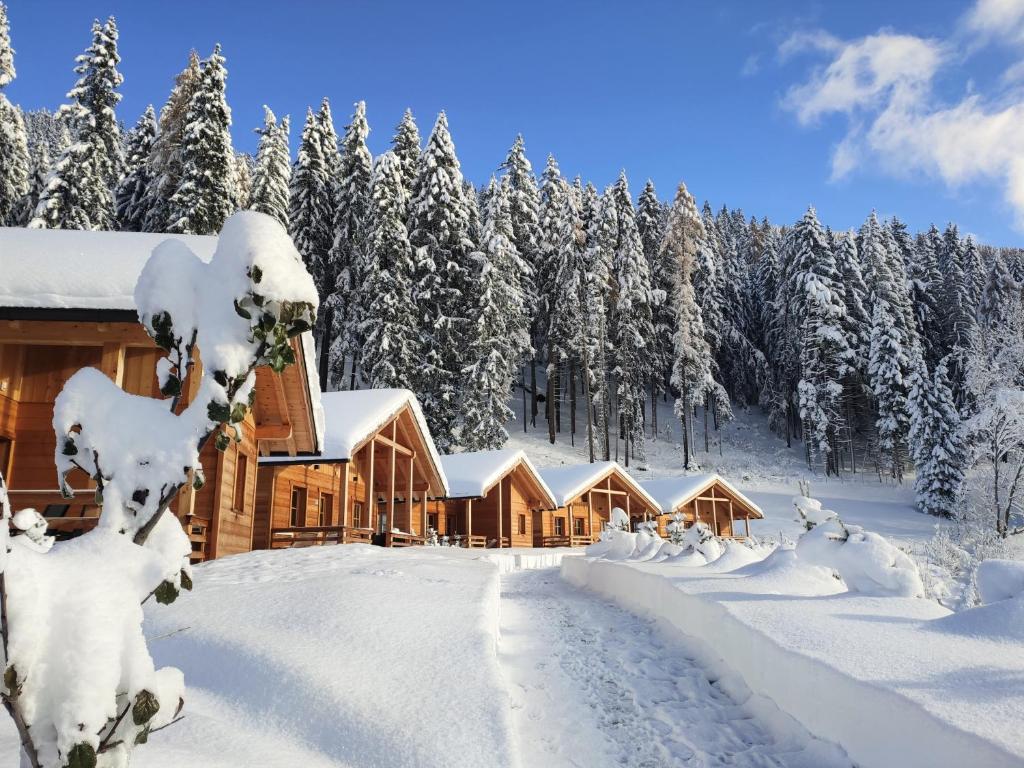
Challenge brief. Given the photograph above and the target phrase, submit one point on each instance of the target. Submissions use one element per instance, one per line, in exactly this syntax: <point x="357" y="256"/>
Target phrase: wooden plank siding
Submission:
<point x="37" y="357"/>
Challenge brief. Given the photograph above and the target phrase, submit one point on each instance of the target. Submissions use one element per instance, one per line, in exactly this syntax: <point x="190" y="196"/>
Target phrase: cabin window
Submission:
<point x="326" y="509"/>
<point x="432" y="521"/>
<point x="241" y="473"/>
<point x="5" y="455"/>
<point x="298" y="506"/>
<point x="577" y="526"/>
<point x="357" y="515"/>
<point x="559" y="526"/>
<point x="522" y="525"/>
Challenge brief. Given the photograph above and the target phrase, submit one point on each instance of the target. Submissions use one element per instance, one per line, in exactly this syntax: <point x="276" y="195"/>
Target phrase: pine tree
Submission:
<point x="205" y="194"/>
<point x="925" y="283"/>
<point x="439" y="234"/>
<point x="825" y="354"/>
<point x="406" y="146"/>
<point x="79" y="193"/>
<point x="524" y="206"/>
<point x="498" y="330"/>
<point x="389" y="349"/>
<point x="309" y="207"/>
<point x="975" y="273"/>
<point x="165" y="161"/>
<point x="632" y="325"/>
<point x="14" y="154"/>
<point x="856" y="320"/>
<point x="273" y="169"/>
<point x="650" y="222"/>
<point x="40" y="164"/>
<point x="691" y="369"/>
<point x="245" y="167"/>
<point x="351" y="202"/>
<point x="131" y="193"/>
<point x="997" y="294"/>
<point x="938" y="446"/>
<point x="602" y="230"/>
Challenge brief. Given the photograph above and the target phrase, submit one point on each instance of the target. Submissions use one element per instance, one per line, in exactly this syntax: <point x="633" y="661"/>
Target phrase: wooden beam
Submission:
<point x="590" y="515"/>
<point x="391" y="443"/>
<point x="732" y="531"/>
<point x="112" y="361"/>
<point x="423" y="512"/>
<point x="714" y="516"/>
<point x="345" y="518"/>
<point x="469" y="517"/>
<point x="501" y="509"/>
<point x="273" y="431"/>
<point x="371" y="497"/>
<point x="408" y="498"/>
<point x="391" y="490"/>
<point x="73" y="334"/>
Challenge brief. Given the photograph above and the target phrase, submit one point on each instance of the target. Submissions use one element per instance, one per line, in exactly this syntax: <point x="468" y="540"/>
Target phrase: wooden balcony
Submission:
<point x="318" y="535"/>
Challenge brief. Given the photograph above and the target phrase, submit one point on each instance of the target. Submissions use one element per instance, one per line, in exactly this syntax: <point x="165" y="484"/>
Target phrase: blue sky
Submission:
<point x="908" y="107"/>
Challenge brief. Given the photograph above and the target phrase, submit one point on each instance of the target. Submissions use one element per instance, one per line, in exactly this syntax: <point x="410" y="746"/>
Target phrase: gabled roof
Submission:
<point x="72" y="269"/>
<point x="352" y="417"/>
<point x="674" y="492"/>
<point x="570" y="480"/>
<point x="473" y="474"/>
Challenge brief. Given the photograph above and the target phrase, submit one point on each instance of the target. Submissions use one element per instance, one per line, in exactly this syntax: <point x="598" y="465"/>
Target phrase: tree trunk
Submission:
<point x="524" y="398"/>
<point x="707" y="400"/>
<point x="352" y="374"/>
<point x="686" y="427"/>
<point x="325" y="348"/>
<point x="572" y="399"/>
<point x="551" y="406"/>
<point x="588" y="398"/>
<point x="533" y="391"/>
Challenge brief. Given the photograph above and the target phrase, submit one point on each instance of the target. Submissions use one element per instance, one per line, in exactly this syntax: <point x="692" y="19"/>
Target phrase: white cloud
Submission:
<point x="751" y="66"/>
<point x="883" y="84"/>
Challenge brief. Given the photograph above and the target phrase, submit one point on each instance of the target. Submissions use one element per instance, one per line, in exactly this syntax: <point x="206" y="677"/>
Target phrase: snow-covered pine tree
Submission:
<point x="691" y="369"/>
<point x="553" y="190"/>
<point x="997" y="294"/>
<point x="650" y="222"/>
<point x="206" y="190"/>
<point x="565" y="310"/>
<point x="389" y="352"/>
<point x="165" y="161"/>
<point x="937" y="443"/>
<point x="329" y="140"/>
<point x="131" y="193"/>
<point x="632" y="325"/>
<point x="272" y="173"/>
<point x="602" y="230"/>
<point x="925" y="283"/>
<point x="406" y="146"/>
<point x="14" y="154"/>
<point x="79" y="192"/>
<point x="524" y="206"/>
<point x="245" y="167"/>
<point x="439" y="234"/>
<point x="499" y="332"/>
<point x="975" y="273"/>
<point x="345" y="268"/>
<point x="825" y="353"/>
<point x="40" y="165"/>
<point x="309" y="207"/>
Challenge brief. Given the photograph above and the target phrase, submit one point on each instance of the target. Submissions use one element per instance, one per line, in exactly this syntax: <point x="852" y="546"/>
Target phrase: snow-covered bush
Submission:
<point x="865" y="561"/>
<point x="618" y="520"/>
<point x="700" y="538"/>
<point x="810" y="512"/>
<point x="78" y="678"/>
<point x="677" y="528"/>
<point x="432" y="540"/>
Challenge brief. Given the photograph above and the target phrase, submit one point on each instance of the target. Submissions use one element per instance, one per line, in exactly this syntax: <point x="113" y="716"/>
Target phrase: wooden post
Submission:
<point x="408" y="498"/>
<point x="501" y="510"/>
<point x="423" y="511"/>
<point x="344" y="516"/>
<point x="732" y="530"/>
<point x="391" y="489"/>
<point x="746" y="524"/>
<point x="371" y="497"/>
<point x="469" y="521"/>
<point x="714" y="513"/>
<point x="590" y="514"/>
<point x="112" y="362"/>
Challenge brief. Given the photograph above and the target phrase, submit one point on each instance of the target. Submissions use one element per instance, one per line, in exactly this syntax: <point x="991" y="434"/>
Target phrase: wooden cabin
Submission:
<point x="66" y="302"/>
<point x="708" y="498"/>
<point x="492" y="499"/>
<point x="370" y="483"/>
<point x="585" y="495"/>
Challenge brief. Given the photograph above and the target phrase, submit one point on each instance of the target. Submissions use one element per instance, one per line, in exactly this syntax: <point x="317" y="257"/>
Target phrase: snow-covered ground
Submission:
<point x="594" y="685"/>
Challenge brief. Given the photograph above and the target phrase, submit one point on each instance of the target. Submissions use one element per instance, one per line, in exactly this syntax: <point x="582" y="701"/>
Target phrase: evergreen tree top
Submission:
<point x="7" y="72"/>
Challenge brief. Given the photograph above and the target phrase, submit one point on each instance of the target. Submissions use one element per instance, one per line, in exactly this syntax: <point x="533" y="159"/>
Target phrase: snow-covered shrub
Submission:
<point x="78" y="678"/>
<point x="810" y="512"/>
<point x="618" y="520"/>
<point x="677" y="528"/>
<point x="1000" y="580"/>
<point x="702" y="540"/>
<point x="432" y="540"/>
<point x="865" y="561"/>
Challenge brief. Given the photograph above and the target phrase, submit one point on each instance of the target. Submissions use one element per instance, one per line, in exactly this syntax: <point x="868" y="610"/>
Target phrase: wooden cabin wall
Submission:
<point x="315" y="480"/>
<point x="518" y="508"/>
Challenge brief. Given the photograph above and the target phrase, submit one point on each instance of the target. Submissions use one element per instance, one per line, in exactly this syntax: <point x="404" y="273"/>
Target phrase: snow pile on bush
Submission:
<point x="78" y="678"/>
<point x="811" y="513"/>
<point x="1000" y="580"/>
<point x="865" y="561"/>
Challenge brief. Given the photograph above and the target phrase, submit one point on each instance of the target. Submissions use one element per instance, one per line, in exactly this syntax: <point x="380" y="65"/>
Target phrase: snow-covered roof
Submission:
<point x="673" y="492"/>
<point x="71" y="269"/>
<point x="353" y="416"/>
<point x="472" y="474"/>
<point x="570" y="480"/>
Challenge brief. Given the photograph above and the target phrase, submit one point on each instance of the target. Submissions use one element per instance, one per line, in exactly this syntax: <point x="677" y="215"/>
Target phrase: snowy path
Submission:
<point x="594" y="685"/>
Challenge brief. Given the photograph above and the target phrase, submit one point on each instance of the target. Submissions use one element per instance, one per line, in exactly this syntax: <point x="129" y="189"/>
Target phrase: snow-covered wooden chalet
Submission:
<point x="585" y="495"/>
<point x="494" y="499"/>
<point x="66" y="302"/>
<point x="371" y="482"/>
<point x="708" y="498"/>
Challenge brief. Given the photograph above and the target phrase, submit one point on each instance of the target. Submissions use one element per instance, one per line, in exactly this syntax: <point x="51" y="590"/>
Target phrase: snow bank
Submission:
<point x="883" y="677"/>
<point x="1000" y="580"/>
<point x="528" y="559"/>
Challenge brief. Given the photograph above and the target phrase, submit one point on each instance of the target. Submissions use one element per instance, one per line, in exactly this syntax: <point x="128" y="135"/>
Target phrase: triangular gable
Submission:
<point x="474" y="473"/>
<point x="567" y="482"/>
<point x="675" y="492"/>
